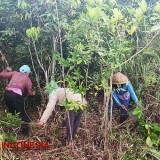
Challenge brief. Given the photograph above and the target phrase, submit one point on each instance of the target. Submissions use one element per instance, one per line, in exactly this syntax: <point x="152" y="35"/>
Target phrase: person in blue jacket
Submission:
<point x="123" y="93"/>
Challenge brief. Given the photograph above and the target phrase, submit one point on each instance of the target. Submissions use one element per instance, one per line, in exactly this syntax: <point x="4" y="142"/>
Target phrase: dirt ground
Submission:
<point x="88" y="143"/>
<point x="92" y="140"/>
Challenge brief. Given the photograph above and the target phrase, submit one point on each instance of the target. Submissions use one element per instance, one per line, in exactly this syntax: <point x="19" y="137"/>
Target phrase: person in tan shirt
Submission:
<point x="57" y="97"/>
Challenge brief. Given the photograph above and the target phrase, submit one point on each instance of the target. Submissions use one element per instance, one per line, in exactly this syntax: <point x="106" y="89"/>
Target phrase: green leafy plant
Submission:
<point x="33" y="32"/>
<point x="137" y="112"/>
<point x="154" y="153"/>
<point x="82" y="43"/>
<point x="8" y="120"/>
<point x="51" y="86"/>
<point x="8" y="123"/>
<point x="9" y="138"/>
<point x="150" y="131"/>
<point x="149" y="80"/>
<point x="55" y="133"/>
<point x="71" y="104"/>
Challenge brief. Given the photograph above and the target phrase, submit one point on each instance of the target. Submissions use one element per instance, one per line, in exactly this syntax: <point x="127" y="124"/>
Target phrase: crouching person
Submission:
<point x="123" y="92"/>
<point x="19" y="84"/>
<point x="64" y="97"/>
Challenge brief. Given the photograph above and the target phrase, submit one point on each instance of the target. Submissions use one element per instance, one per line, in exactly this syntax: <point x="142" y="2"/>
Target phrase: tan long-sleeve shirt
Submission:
<point x="58" y="96"/>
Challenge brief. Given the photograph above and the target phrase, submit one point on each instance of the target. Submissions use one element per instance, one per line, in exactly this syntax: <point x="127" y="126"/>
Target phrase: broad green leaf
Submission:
<point x="155" y="28"/>
<point x="147" y="126"/>
<point x="19" y="3"/>
<point x="112" y="2"/>
<point x="80" y="46"/>
<point x="100" y="53"/>
<point x="106" y="93"/>
<point x="153" y="18"/>
<point x="149" y="141"/>
<point x="79" y="61"/>
<point x="33" y="32"/>
<point x="157" y="7"/>
<point x="154" y="153"/>
<point x="78" y="1"/>
<point x="113" y="29"/>
<point x="94" y="13"/>
<point x="137" y="112"/>
<point x="117" y="14"/>
<point x="131" y="11"/>
<point x="96" y="87"/>
<point x="143" y="5"/>
<point x="139" y="15"/>
<point x="113" y="21"/>
<point x="73" y="5"/>
<point x="91" y="12"/>
<point x="133" y="29"/>
<point x="90" y="2"/>
<point x="100" y="2"/>
<point x="156" y="127"/>
<point x="99" y="12"/>
<point x="22" y="4"/>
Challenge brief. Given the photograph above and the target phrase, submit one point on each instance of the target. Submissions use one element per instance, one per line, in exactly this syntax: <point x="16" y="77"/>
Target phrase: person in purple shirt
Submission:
<point x="19" y="85"/>
<point x="123" y="92"/>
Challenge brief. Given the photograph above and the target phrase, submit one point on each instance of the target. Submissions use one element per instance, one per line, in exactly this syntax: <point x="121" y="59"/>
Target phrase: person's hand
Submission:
<point x="123" y="106"/>
<point x="40" y="124"/>
<point x="9" y="69"/>
<point x="33" y="93"/>
<point x="137" y="105"/>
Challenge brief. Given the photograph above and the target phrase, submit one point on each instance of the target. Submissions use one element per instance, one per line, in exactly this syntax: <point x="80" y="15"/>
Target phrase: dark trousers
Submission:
<point x="15" y="103"/>
<point x="123" y="112"/>
<point x="74" y="118"/>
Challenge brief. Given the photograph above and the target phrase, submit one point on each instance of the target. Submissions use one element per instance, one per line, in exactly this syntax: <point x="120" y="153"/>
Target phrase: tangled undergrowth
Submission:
<point x="128" y="141"/>
<point x="125" y="142"/>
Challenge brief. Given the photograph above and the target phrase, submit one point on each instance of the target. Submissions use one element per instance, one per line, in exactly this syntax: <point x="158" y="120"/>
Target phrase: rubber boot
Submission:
<point x="123" y="118"/>
<point x="25" y="129"/>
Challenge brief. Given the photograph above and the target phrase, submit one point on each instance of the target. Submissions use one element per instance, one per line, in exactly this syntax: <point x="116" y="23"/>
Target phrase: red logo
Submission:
<point x="26" y="145"/>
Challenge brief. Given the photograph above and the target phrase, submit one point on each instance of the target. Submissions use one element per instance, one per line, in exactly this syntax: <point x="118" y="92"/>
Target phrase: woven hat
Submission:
<point x="119" y="78"/>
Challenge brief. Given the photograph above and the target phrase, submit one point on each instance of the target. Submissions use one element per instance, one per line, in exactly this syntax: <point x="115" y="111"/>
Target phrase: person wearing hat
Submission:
<point x="123" y="92"/>
<point x="19" y="84"/>
<point x="58" y="96"/>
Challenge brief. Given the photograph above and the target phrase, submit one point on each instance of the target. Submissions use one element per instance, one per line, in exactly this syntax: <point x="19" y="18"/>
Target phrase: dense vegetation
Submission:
<point x="80" y="44"/>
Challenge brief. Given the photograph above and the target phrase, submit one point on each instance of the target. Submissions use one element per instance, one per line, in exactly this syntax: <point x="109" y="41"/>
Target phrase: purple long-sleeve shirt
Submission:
<point x="18" y="80"/>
